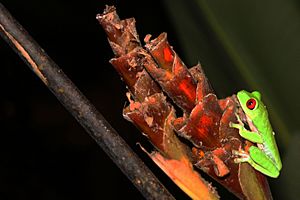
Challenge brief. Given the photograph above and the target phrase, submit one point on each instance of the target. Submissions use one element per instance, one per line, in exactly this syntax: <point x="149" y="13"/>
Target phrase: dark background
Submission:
<point x="45" y="154"/>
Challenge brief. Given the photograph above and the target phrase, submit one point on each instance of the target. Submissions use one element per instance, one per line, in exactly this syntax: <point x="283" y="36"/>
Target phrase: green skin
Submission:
<point x="265" y="156"/>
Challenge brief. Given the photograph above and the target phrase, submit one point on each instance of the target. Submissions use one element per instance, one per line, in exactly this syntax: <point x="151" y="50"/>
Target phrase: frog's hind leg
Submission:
<point x="261" y="162"/>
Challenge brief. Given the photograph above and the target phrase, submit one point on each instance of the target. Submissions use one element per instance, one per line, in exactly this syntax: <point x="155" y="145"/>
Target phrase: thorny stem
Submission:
<point x="77" y="104"/>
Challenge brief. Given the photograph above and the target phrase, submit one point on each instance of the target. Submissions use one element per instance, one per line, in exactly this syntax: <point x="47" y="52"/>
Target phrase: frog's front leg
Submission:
<point x="257" y="159"/>
<point x="246" y="134"/>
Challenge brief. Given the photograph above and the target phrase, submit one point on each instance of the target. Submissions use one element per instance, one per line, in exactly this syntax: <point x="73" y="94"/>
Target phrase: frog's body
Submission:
<point x="265" y="157"/>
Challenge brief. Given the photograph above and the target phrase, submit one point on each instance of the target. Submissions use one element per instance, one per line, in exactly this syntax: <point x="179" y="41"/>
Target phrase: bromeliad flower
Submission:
<point x="206" y="141"/>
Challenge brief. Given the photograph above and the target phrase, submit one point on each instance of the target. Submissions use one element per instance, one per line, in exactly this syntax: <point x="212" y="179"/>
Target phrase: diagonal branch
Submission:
<point x="77" y="104"/>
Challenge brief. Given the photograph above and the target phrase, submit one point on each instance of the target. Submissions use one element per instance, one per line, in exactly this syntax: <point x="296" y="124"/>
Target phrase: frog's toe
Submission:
<point x="235" y="152"/>
<point x="234" y="125"/>
<point x="240" y="160"/>
<point x="240" y="153"/>
<point x="238" y="118"/>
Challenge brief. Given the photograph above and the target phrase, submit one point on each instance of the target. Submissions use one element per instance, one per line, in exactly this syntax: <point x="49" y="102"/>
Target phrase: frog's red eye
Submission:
<point x="251" y="103"/>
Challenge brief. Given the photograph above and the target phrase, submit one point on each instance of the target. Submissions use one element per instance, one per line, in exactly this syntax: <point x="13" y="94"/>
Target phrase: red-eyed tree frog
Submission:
<point x="265" y="156"/>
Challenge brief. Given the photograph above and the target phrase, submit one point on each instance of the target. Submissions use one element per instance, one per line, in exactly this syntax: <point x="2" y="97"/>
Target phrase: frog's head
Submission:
<point x="251" y="104"/>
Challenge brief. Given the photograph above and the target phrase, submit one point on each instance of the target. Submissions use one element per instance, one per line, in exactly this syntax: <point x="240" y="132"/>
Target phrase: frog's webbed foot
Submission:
<point x="239" y="125"/>
<point x="242" y="156"/>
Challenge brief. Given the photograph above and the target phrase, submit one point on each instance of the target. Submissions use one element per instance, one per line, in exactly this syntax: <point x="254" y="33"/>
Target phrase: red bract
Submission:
<point x="171" y="73"/>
